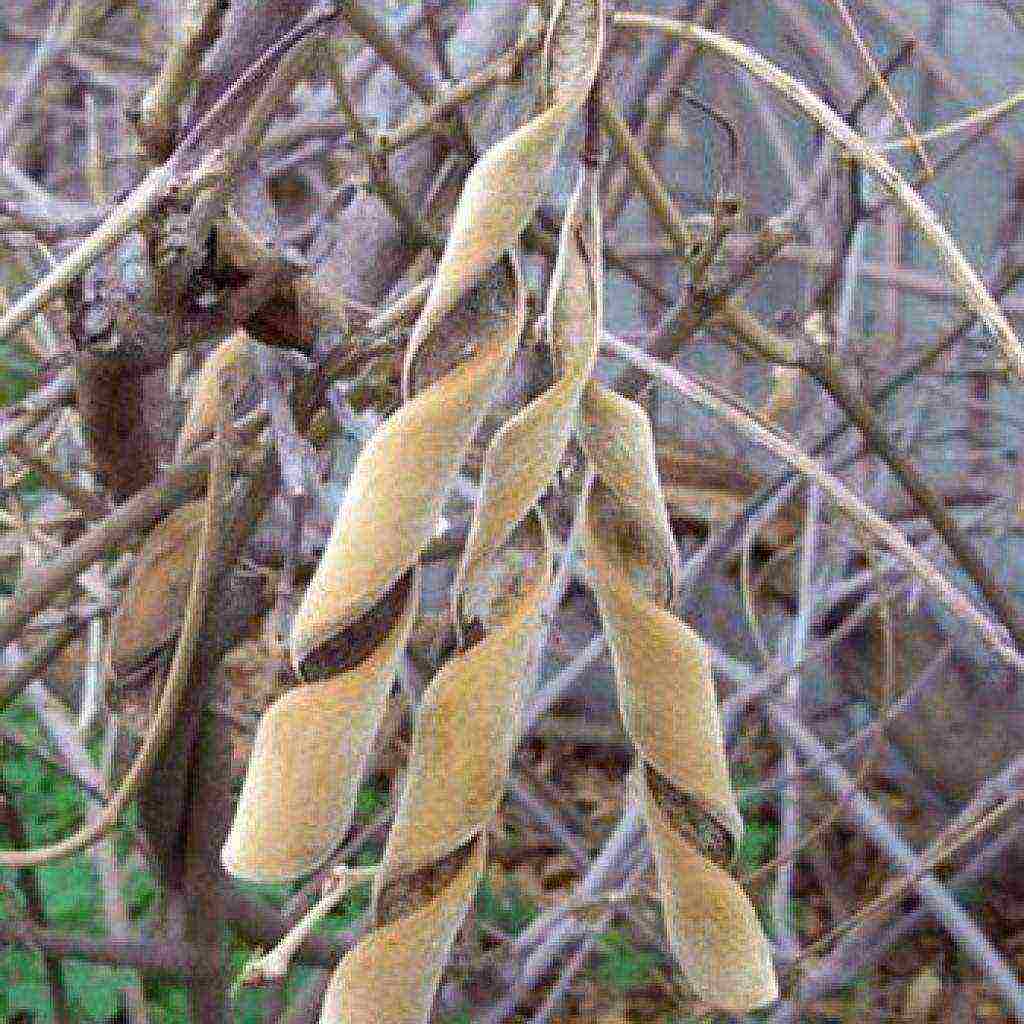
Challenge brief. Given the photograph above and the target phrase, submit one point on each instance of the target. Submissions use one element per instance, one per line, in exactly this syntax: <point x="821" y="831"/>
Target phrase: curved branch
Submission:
<point x="975" y="293"/>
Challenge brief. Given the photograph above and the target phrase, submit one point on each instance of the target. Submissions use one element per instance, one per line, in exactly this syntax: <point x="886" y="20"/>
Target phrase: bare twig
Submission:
<point x="974" y="291"/>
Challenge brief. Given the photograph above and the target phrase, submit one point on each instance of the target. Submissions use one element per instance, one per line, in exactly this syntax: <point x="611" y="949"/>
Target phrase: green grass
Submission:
<point x="621" y="965"/>
<point x="52" y="806"/>
<point x="761" y="833"/>
<point x="507" y="910"/>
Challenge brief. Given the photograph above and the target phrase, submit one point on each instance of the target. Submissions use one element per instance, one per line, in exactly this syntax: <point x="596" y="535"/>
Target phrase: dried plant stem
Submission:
<point x="824" y="366"/>
<point x="952" y="838"/>
<point x="882" y="85"/>
<point x="143" y="200"/>
<point x="646" y="178"/>
<point x="34" y="408"/>
<point x="88" y="502"/>
<point x="658" y="109"/>
<point x="375" y="33"/>
<point x="950" y="596"/>
<point x="197" y="27"/>
<point x="431" y="117"/>
<point x="16" y="677"/>
<point x="144" y="955"/>
<point x="973" y="289"/>
<point x="853" y="954"/>
<point x="35" y="590"/>
<point x="123" y="220"/>
<point x="174" y="687"/>
<point x="62" y="33"/>
<point x="416" y="233"/>
<point x="976" y="119"/>
<point x="959" y="924"/>
<point x="273" y="966"/>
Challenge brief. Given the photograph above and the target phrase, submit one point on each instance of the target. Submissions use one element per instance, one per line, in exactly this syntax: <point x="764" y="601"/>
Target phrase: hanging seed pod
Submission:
<point x="467" y="728"/>
<point x="404" y="473"/>
<point x="412" y="949"/>
<point x="669" y="710"/>
<point x="524" y="455"/>
<point x="308" y="758"/>
<point x="457" y="359"/>
<point x="149" y="617"/>
<point x="356" y="614"/>
<point x="506" y="184"/>
<point x="470" y="716"/>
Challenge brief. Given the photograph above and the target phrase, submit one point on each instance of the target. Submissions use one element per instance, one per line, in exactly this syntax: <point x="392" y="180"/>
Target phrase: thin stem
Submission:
<point x="974" y="291"/>
<point x="273" y="966"/>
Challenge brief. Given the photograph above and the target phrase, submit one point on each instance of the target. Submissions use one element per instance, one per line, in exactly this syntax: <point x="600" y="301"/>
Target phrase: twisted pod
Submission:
<point x="467" y="727"/>
<point x="669" y="710"/>
<point x="470" y="718"/>
<point x="665" y="686"/>
<point x="297" y="798"/>
<point x="525" y="453"/>
<point x="312" y="744"/>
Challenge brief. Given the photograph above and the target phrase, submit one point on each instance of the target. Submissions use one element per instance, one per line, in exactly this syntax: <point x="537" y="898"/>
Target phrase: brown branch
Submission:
<point x="231" y="605"/>
<point x="826" y="369"/>
<point x="209" y="811"/>
<point x="431" y="117"/>
<point x="162" y="959"/>
<point x="198" y="27"/>
<point x="87" y="501"/>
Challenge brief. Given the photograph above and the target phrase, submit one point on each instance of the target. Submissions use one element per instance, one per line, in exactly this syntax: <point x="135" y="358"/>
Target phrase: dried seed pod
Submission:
<point x="403" y="475"/>
<point x="524" y="455"/>
<point x="149" y="617"/>
<point x="308" y="758"/>
<point x="506" y="184"/>
<point x="713" y="930"/>
<point x="223" y="380"/>
<point x="457" y="359"/>
<point x="467" y="728"/>
<point x="666" y="692"/>
<point x="669" y="710"/>
<point x="470" y="716"/>
<point x="391" y="975"/>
